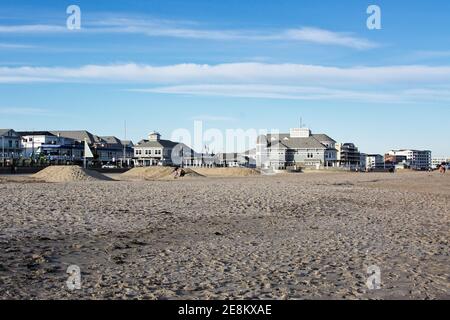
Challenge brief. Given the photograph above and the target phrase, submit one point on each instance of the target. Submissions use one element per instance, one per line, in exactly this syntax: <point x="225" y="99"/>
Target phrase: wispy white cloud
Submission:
<point x="252" y="72"/>
<point x="396" y="96"/>
<point x="276" y="92"/>
<point x="32" y="28"/>
<point x="257" y="80"/>
<point x="326" y="37"/>
<point x="183" y="30"/>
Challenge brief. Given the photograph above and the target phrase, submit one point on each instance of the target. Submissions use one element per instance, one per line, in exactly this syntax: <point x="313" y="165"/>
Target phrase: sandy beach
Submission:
<point x="298" y="236"/>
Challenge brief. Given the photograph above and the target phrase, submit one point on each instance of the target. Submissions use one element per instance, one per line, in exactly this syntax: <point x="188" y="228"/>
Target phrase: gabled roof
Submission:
<point x="78" y="135"/>
<point x="285" y="141"/>
<point x="127" y="142"/>
<point x="278" y="144"/>
<point x="250" y="152"/>
<point x="156" y="144"/>
<point x="5" y="131"/>
<point x="35" y="133"/>
<point x="111" y="140"/>
<point x="230" y="156"/>
<point x="323" y="137"/>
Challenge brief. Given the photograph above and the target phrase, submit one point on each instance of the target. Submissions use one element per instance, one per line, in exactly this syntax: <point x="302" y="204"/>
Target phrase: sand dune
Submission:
<point x="68" y="174"/>
<point x="157" y="173"/>
<point x="227" y="172"/>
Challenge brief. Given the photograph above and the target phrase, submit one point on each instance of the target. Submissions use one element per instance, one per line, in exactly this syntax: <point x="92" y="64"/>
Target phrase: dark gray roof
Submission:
<point x="284" y="141"/>
<point x="156" y="144"/>
<point x="231" y="156"/>
<point x="373" y="155"/>
<point x="250" y="152"/>
<point x="278" y="144"/>
<point x="35" y="133"/>
<point x="323" y="137"/>
<point x="4" y="131"/>
<point x="111" y="140"/>
<point x="127" y="142"/>
<point x="78" y="135"/>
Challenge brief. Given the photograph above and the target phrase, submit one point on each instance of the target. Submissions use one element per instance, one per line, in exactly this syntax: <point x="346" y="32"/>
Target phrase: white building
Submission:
<point x="10" y="148"/>
<point x="298" y="148"/>
<point x="33" y="141"/>
<point x="374" y="161"/>
<point x="436" y="162"/>
<point x="415" y="159"/>
<point x="156" y="151"/>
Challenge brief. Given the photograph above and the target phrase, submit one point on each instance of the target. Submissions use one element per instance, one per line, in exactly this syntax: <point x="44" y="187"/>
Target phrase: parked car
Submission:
<point x="109" y="166"/>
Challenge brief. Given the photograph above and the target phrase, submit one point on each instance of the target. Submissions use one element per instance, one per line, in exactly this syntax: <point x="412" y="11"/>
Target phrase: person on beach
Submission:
<point x="442" y="169"/>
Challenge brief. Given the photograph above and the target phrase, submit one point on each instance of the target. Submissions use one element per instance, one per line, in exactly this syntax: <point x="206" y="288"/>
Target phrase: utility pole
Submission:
<point x="3" y="151"/>
<point x="124" y="146"/>
<point x="84" y="153"/>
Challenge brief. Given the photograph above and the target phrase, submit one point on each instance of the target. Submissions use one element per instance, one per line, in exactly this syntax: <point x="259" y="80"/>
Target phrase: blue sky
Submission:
<point x="161" y="64"/>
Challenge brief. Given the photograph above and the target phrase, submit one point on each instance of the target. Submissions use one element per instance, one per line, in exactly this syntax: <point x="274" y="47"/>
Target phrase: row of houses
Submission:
<point x="302" y="148"/>
<point x="156" y="151"/>
<point x="62" y="146"/>
<point x="298" y="148"/>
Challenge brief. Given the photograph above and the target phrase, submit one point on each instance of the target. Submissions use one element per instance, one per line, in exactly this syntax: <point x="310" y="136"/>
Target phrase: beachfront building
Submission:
<point x="362" y="161"/>
<point x="415" y="159"/>
<point x="34" y="143"/>
<point x="348" y="155"/>
<point x="193" y="159"/>
<point x="394" y="161"/>
<point x="232" y="160"/>
<point x="10" y="148"/>
<point x="106" y="149"/>
<point x="298" y="148"/>
<point x="438" y="161"/>
<point x="373" y="162"/>
<point x="112" y="150"/>
<point x="156" y="151"/>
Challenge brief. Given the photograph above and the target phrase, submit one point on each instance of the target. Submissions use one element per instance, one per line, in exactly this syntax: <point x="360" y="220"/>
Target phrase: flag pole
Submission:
<point x="84" y="160"/>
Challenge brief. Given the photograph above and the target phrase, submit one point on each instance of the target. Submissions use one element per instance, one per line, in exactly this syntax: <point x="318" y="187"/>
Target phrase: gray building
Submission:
<point x="348" y="155"/>
<point x="232" y="159"/>
<point x="156" y="151"/>
<point x="10" y="147"/>
<point x="372" y="162"/>
<point x="415" y="159"/>
<point x="106" y="149"/>
<point x="298" y="148"/>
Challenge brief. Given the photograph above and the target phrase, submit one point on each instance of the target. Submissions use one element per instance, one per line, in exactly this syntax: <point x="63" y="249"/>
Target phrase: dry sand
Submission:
<point x="68" y="174"/>
<point x="227" y="172"/>
<point x="301" y="236"/>
<point x="156" y="173"/>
